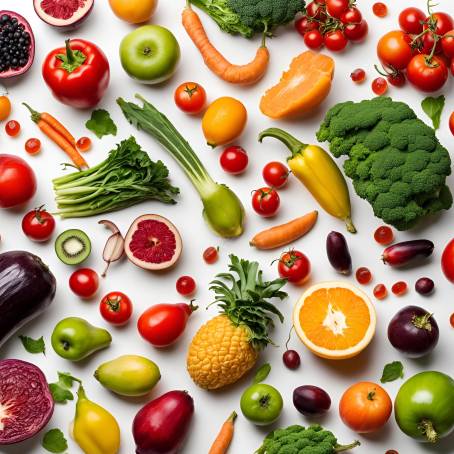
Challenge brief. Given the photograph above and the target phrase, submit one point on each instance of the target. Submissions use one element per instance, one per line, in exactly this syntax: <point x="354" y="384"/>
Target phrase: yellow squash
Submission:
<point x="315" y="168"/>
<point x="94" y="429"/>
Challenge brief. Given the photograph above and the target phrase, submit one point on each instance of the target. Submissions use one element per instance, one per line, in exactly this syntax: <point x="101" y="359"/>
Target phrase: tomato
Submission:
<point x="185" y="285"/>
<point x="451" y="123"/>
<point x="365" y="407"/>
<point x="234" y="160"/>
<point x="335" y="40"/>
<point x="275" y="174"/>
<point x="379" y="86"/>
<point x="190" y="97"/>
<point x="447" y="44"/>
<point x="295" y="267"/>
<point x="425" y="75"/>
<point x="315" y="10"/>
<point x="447" y="260"/>
<point x="304" y="24"/>
<point x="33" y="146"/>
<point x="313" y="39"/>
<point x="265" y="202"/>
<point x="211" y="255"/>
<point x="397" y="79"/>
<point x="441" y="23"/>
<point x="163" y="324"/>
<point x="17" y="181"/>
<point x="356" y="32"/>
<point x="351" y="16"/>
<point x="84" y="282"/>
<point x="394" y="50"/>
<point x="452" y="66"/>
<point x="116" y="308"/>
<point x="335" y="8"/>
<point x="427" y="43"/>
<point x="38" y="224"/>
<point x="411" y="20"/>
<point x="12" y="128"/>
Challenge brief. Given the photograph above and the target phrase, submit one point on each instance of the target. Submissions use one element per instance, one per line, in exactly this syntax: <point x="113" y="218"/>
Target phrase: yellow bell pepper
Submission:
<point x="94" y="429"/>
<point x="315" y="168"/>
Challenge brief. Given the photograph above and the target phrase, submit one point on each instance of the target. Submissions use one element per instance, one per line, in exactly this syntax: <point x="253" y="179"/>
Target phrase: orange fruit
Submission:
<point x="134" y="11"/>
<point x="302" y="88"/>
<point x="335" y="320"/>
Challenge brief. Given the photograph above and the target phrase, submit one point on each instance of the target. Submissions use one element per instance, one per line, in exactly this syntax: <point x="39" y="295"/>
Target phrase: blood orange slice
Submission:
<point x="335" y="320"/>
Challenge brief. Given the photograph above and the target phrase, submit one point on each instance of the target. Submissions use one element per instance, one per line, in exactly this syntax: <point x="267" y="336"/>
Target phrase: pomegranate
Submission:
<point x="18" y="36"/>
<point x="153" y="243"/>
<point x="63" y="14"/>
<point x="26" y="404"/>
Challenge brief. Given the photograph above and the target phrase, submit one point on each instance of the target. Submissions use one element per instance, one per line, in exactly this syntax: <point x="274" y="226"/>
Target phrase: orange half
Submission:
<point x="335" y="320"/>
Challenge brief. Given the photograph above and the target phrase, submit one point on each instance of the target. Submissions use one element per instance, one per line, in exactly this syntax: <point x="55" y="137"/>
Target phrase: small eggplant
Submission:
<point x="311" y="400"/>
<point x="406" y="252"/>
<point x="338" y="253"/>
<point x="413" y="331"/>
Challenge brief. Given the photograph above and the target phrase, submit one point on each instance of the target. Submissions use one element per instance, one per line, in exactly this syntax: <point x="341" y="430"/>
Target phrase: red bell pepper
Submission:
<point x="78" y="74"/>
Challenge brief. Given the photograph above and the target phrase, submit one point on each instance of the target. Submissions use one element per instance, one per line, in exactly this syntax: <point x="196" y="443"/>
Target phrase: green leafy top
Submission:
<point x="392" y="371"/>
<point x="101" y="124"/>
<point x="433" y="107"/>
<point x="245" y="302"/>
<point x="55" y="441"/>
<point x="33" y="345"/>
<point x="61" y="390"/>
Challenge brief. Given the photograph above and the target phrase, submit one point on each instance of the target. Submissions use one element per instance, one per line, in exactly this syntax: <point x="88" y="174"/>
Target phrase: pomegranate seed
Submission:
<point x="363" y="275"/>
<point x="83" y="144"/>
<point x="384" y="235"/>
<point x="33" y="146"/>
<point x="211" y="255"/>
<point x="12" y="128"/>
<point x="291" y="359"/>
<point x="358" y="75"/>
<point x="451" y="320"/>
<point x="379" y="86"/>
<point x="424" y="286"/>
<point x="380" y="9"/>
<point x="399" y="288"/>
<point x="380" y="292"/>
<point x="185" y="285"/>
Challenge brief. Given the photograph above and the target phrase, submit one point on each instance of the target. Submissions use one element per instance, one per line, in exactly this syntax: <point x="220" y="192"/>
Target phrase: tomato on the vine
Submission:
<point x="313" y="39"/>
<point x="351" y="15"/>
<point x="38" y="224"/>
<point x="275" y="174"/>
<point x="451" y="123"/>
<point x="265" y="202"/>
<point x="335" y="40"/>
<point x="84" y="282"/>
<point x="234" y="160"/>
<point x="427" y="74"/>
<point x="315" y="10"/>
<point x="442" y="23"/>
<point x="190" y="97"/>
<point x="356" y="32"/>
<point x="116" y="308"/>
<point x="304" y="24"/>
<point x="394" y="49"/>
<point x="335" y="8"/>
<point x="294" y="266"/>
<point x="447" y="44"/>
<point x="411" y="20"/>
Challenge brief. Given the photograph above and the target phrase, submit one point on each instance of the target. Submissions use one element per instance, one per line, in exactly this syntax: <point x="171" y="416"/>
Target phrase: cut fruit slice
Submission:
<point x="335" y="320"/>
<point x="73" y="246"/>
<point x="64" y="14"/>
<point x="153" y="243"/>
<point x="302" y="88"/>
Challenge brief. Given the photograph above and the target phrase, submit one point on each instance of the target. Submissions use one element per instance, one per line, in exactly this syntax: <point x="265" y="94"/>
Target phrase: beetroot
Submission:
<point x="26" y="404"/>
<point x="160" y="427"/>
<point x="63" y="14"/>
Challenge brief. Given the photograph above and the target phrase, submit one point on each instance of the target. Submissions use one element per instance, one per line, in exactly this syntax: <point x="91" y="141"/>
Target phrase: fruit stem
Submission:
<point x="350" y="226"/>
<point x="35" y="115"/>
<point x="289" y="336"/>
<point x="423" y="322"/>
<point x="292" y="143"/>
<point x="192" y="306"/>
<point x="341" y="448"/>
<point x="232" y="416"/>
<point x="428" y="429"/>
<point x="69" y="52"/>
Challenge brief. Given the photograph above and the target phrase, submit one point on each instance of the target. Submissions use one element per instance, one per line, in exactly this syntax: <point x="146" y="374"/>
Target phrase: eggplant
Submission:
<point x="311" y="400"/>
<point x="27" y="287"/>
<point x="407" y="251"/>
<point x="338" y="253"/>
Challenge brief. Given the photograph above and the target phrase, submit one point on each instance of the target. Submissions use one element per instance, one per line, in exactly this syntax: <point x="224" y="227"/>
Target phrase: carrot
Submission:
<point x="235" y="74"/>
<point x="284" y="234"/>
<point x="224" y="438"/>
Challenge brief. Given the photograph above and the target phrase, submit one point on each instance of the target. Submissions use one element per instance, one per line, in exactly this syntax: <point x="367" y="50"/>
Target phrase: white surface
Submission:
<point x="146" y="289"/>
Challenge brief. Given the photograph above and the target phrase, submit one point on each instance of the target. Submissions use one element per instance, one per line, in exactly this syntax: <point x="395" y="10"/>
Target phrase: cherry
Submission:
<point x="379" y="86"/>
<point x="185" y="285"/>
<point x="424" y="286"/>
<point x="380" y="9"/>
<point x="363" y="275"/>
<point x="33" y="146"/>
<point x="384" y="235"/>
<point x="12" y="128"/>
<point x="380" y="292"/>
<point x="83" y="144"/>
<point x="399" y="288"/>
<point x="291" y="359"/>
<point x="358" y="75"/>
<point x="211" y="255"/>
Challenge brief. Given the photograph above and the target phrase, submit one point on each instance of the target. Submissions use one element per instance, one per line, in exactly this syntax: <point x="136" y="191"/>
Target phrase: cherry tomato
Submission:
<point x="411" y="20"/>
<point x="394" y="50"/>
<point x="379" y="86"/>
<point x="211" y="255"/>
<point x="351" y="16"/>
<point x="12" y="128"/>
<point x="163" y="324"/>
<point x="234" y="160"/>
<point x="452" y="66"/>
<point x="447" y="261"/>
<point x="380" y="9"/>
<point x="33" y="146"/>
<point x="447" y="44"/>
<point x="335" y="40"/>
<point x="38" y="224"/>
<point x="397" y="79"/>
<point x="116" y="308"/>
<point x="185" y="285"/>
<point x="304" y="24"/>
<point x="427" y="75"/>
<point x="84" y="282"/>
<point x="294" y="266"/>
<point x="356" y="32"/>
<point x="313" y="39"/>
<point x="358" y="75"/>
<point x="442" y="23"/>
<point x="275" y="174"/>
<point x="315" y="10"/>
<point x="451" y="123"/>
<point x="83" y="144"/>
<point x="335" y="8"/>
<point x="427" y="43"/>
<point x="190" y="97"/>
<point x="265" y="202"/>
<point x="5" y="107"/>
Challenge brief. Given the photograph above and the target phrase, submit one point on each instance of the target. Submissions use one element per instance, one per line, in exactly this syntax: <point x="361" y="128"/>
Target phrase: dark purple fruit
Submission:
<point x="406" y="252"/>
<point x="424" y="286"/>
<point x="413" y="331"/>
<point x="311" y="400"/>
<point x="338" y="253"/>
<point x="291" y="359"/>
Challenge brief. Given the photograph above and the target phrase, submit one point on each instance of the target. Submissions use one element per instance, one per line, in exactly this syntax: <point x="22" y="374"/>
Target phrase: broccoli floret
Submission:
<point x="394" y="159"/>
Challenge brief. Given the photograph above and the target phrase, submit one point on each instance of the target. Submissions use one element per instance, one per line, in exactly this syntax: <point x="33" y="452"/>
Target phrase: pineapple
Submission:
<point x="228" y="346"/>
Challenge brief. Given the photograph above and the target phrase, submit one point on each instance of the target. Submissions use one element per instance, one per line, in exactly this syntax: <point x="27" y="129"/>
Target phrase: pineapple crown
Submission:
<point x="245" y="302"/>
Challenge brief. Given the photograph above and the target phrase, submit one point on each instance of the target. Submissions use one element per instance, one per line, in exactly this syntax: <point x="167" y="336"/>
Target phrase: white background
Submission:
<point x="146" y="289"/>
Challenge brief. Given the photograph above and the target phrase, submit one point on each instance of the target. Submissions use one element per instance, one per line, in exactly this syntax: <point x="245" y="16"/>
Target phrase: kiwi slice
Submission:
<point x="72" y="246"/>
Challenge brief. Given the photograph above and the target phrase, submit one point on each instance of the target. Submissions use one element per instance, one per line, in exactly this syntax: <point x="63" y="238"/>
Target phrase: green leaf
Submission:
<point x="55" y="441"/>
<point x="33" y="345"/>
<point x="392" y="371"/>
<point x="61" y="390"/>
<point x="262" y="373"/>
<point x="433" y="107"/>
<point x="101" y="124"/>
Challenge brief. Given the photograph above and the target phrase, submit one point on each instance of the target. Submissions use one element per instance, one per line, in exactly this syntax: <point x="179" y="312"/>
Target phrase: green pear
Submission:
<point x="74" y="338"/>
<point x="128" y="375"/>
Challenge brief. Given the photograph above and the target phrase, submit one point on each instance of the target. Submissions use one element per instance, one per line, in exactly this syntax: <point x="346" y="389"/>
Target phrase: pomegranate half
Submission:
<point x="153" y="243"/>
<point x="63" y="14"/>
<point x="26" y="404"/>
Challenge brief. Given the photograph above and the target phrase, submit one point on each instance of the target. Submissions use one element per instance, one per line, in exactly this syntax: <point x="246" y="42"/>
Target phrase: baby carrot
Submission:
<point x="224" y="438"/>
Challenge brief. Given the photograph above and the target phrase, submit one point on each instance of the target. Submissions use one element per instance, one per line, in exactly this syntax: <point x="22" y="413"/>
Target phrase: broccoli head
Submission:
<point x="394" y="159"/>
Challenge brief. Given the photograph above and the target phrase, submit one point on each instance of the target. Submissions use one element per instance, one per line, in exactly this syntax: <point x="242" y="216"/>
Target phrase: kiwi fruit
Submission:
<point x="72" y="246"/>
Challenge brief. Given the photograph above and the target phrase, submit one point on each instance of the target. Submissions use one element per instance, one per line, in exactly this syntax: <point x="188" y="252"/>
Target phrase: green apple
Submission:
<point x="261" y="404"/>
<point x="150" y="54"/>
